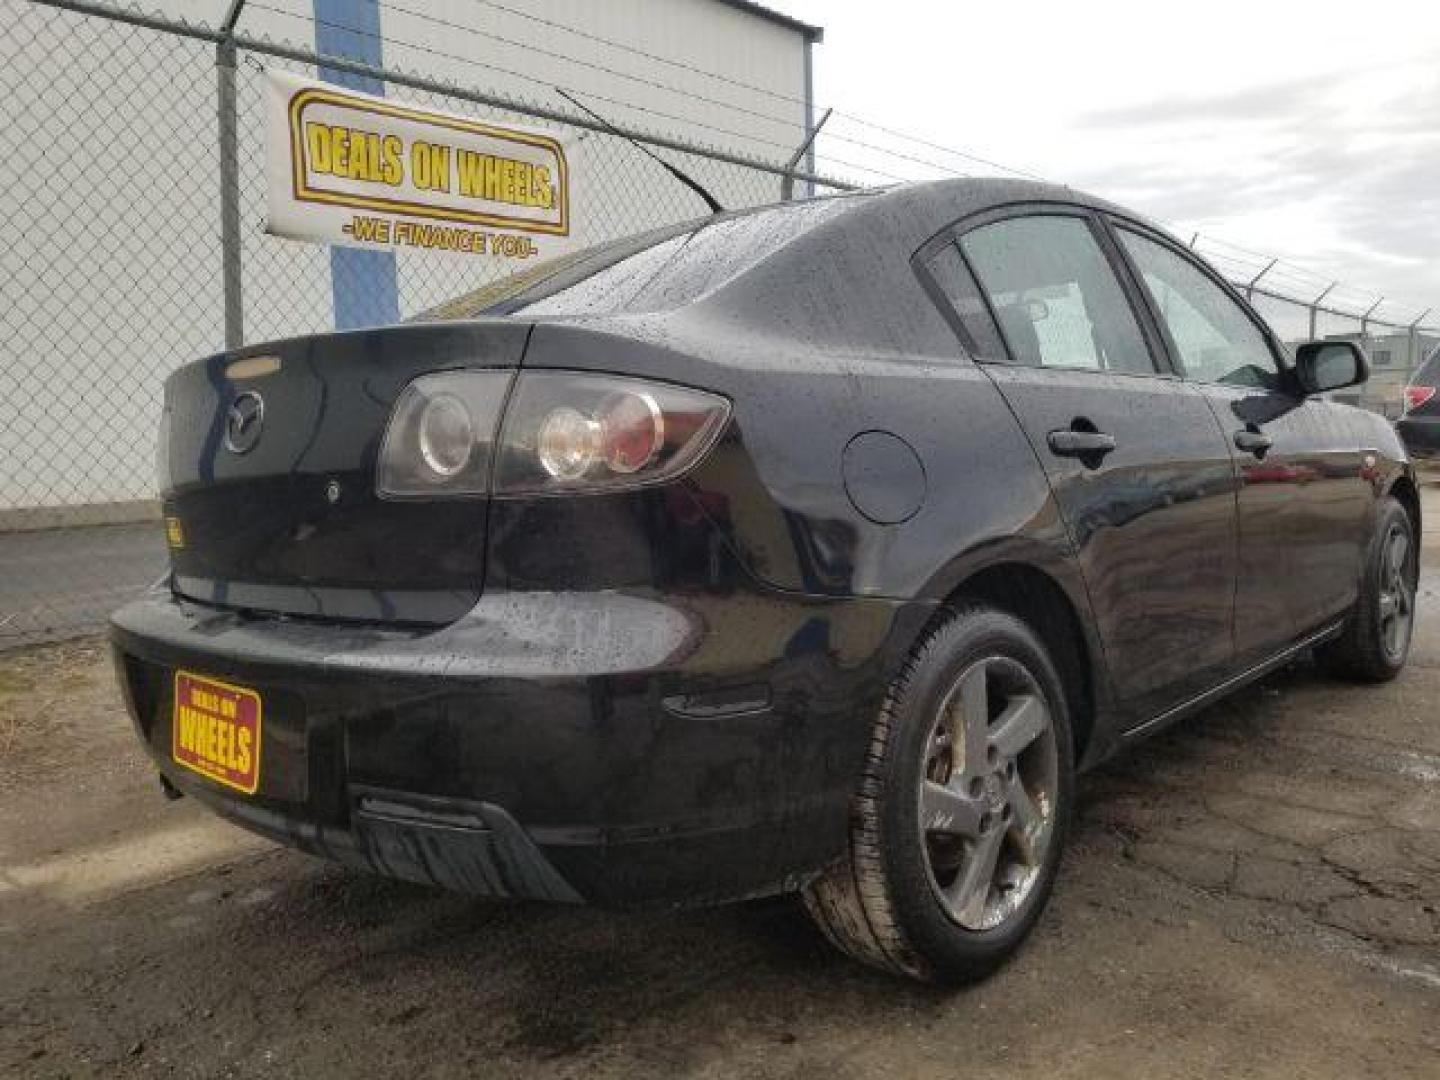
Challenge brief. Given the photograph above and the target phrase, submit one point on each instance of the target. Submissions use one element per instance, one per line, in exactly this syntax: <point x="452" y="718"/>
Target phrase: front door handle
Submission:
<point x="1253" y="442"/>
<point x="1086" y="445"/>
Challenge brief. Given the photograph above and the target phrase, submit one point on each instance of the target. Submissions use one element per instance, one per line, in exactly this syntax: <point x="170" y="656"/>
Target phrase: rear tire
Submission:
<point x="959" y="821"/>
<point x="1375" y="642"/>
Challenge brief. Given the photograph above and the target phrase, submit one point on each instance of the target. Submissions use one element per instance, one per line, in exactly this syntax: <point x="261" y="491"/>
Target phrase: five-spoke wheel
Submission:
<point x="987" y="792"/>
<point x="1374" y="642"/>
<point x="1396" y="592"/>
<point x="960" y="817"/>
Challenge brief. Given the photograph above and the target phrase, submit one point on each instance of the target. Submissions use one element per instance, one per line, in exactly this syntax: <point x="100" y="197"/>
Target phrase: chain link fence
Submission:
<point x="118" y="265"/>
<point x="1302" y="306"/>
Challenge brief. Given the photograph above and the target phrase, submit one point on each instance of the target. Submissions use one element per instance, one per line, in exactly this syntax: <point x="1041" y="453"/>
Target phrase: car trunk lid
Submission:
<point x="272" y="455"/>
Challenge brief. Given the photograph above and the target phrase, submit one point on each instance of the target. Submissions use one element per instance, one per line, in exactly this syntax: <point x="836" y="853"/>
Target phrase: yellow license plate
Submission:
<point x="215" y="731"/>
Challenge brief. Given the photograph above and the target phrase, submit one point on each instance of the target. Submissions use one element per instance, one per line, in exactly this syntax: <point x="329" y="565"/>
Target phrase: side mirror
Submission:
<point x="1321" y="366"/>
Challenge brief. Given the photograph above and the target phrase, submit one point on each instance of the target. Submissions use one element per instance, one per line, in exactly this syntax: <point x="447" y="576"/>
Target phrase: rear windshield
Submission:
<point x="650" y="272"/>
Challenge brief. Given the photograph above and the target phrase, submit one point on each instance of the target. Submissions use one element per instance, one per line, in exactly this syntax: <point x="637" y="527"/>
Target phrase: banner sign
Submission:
<point x="344" y="167"/>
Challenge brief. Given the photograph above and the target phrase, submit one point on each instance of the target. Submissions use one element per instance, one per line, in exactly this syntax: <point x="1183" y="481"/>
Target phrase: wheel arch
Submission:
<point x="1041" y="602"/>
<point x="1407" y="493"/>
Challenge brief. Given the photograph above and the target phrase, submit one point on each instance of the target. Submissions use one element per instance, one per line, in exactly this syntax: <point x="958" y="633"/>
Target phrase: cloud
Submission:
<point x="1365" y="166"/>
<point x="1259" y="104"/>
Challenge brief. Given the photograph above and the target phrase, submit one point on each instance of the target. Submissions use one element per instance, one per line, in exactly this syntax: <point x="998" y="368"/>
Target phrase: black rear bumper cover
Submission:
<point x="598" y="747"/>
<point x="471" y="847"/>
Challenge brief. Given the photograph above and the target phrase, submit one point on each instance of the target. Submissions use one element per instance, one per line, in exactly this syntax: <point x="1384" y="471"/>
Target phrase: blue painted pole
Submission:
<point x="363" y="282"/>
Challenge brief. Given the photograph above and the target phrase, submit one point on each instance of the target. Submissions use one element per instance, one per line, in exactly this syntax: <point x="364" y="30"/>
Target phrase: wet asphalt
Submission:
<point x="1255" y="893"/>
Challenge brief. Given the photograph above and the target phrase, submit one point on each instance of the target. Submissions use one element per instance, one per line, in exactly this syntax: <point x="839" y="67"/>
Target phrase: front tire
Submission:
<point x="966" y="796"/>
<point x="1375" y="642"/>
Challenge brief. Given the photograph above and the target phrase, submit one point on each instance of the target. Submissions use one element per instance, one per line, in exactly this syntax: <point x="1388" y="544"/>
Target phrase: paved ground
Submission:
<point x="1254" y="893"/>
<point x="58" y="582"/>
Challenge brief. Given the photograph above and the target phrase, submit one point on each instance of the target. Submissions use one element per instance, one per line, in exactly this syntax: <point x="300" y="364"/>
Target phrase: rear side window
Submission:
<point x="1217" y="341"/>
<point x="1055" y="296"/>
<point x="948" y="271"/>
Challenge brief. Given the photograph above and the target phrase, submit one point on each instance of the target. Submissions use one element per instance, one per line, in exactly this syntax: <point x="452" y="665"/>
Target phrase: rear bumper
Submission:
<point x="454" y="843"/>
<point x="563" y="746"/>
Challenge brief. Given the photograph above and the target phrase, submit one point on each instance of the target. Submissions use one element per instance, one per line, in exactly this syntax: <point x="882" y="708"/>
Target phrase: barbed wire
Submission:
<point x="778" y="95"/>
<point x="787" y="122"/>
<point x="549" y="85"/>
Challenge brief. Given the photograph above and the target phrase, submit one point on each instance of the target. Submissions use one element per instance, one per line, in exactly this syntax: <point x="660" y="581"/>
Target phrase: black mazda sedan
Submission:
<point x="813" y="548"/>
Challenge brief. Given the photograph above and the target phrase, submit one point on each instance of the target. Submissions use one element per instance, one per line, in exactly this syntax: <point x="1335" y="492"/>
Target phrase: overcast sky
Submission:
<point x="1310" y="130"/>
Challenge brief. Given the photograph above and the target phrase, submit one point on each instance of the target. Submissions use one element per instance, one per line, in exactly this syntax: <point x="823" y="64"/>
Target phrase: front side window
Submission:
<point x="1056" y="298"/>
<point x="1216" y="340"/>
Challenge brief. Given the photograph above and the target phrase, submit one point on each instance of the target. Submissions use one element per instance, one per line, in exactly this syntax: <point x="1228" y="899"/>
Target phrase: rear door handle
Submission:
<point x="1080" y="444"/>
<point x="1253" y="442"/>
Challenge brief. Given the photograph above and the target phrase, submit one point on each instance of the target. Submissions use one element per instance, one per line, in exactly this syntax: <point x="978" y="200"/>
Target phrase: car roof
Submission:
<point x="849" y="280"/>
<point x="945" y="201"/>
<point x="838" y="273"/>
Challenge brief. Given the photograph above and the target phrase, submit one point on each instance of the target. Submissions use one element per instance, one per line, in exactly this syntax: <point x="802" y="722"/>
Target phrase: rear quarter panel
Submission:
<point x="775" y="489"/>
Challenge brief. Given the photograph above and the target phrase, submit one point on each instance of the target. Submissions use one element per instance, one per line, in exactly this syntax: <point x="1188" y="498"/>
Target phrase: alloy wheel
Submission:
<point x="988" y="792"/>
<point x="1397" y="593"/>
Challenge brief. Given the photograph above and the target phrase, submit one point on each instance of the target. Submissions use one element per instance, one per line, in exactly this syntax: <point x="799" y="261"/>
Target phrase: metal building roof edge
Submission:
<point x="811" y="33"/>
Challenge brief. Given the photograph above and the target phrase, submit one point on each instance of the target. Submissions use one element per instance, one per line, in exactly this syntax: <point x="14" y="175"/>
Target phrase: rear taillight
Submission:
<point x="561" y="432"/>
<point x="572" y="432"/>
<point x="1415" y="396"/>
<point x="439" y="439"/>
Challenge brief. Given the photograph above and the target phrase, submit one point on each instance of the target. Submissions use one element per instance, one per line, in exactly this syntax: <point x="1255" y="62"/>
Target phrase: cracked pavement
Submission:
<point x="1284" y="799"/>
<point x="1252" y="893"/>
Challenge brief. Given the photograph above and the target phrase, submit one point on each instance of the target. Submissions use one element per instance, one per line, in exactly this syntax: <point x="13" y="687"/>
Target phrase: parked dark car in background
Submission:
<point x="812" y="548"/>
<point x="1419" y="427"/>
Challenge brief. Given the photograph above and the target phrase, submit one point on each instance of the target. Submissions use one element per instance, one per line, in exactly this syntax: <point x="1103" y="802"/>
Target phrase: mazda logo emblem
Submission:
<point x="243" y="421"/>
